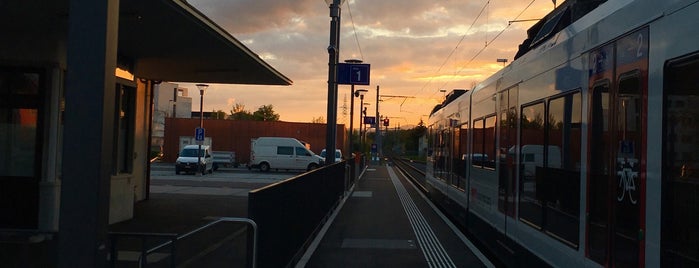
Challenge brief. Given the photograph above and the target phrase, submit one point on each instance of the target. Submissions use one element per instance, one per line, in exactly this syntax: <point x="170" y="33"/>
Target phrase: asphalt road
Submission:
<point x="224" y="181"/>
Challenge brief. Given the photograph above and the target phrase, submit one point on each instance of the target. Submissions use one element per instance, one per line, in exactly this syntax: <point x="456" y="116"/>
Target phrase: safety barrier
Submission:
<point x="173" y="243"/>
<point x="290" y="212"/>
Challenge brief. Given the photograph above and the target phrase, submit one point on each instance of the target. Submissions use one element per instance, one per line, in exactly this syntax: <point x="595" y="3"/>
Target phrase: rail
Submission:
<point x="413" y="173"/>
<point x="173" y="239"/>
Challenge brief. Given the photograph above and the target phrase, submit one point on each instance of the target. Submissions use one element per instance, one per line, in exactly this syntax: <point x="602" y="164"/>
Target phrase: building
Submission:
<point x="77" y="80"/>
<point x="169" y="101"/>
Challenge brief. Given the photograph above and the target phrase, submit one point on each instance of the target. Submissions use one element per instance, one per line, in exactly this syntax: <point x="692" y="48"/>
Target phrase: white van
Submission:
<point x="187" y="159"/>
<point x="338" y="155"/>
<point x="532" y="156"/>
<point x="281" y="153"/>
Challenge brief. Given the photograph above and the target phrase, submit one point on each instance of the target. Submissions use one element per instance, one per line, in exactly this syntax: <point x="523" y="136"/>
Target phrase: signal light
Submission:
<point x="385" y="122"/>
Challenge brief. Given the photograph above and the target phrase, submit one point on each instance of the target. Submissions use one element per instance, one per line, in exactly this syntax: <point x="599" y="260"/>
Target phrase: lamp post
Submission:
<point x="359" y="93"/>
<point x="364" y="110"/>
<point x="201" y="87"/>
<point x="349" y="150"/>
<point x="504" y="61"/>
<point x="333" y="57"/>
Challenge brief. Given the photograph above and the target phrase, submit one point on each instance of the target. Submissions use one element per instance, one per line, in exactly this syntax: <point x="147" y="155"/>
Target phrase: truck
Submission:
<point x="224" y="159"/>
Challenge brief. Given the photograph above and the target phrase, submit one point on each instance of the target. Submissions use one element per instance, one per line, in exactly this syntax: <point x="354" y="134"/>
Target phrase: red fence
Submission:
<point x="235" y="135"/>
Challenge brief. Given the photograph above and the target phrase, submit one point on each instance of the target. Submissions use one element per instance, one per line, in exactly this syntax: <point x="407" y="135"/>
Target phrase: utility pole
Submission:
<point x="333" y="56"/>
<point x="378" y="128"/>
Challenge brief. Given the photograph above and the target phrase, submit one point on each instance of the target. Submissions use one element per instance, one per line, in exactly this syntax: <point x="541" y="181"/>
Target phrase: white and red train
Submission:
<point x="584" y="151"/>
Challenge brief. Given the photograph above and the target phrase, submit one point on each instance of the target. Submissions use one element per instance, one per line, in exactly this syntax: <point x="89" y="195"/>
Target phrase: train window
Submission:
<point x="680" y="176"/>
<point x="430" y="142"/>
<point x="457" y="166"/>
<point x="507" y="136"/>
<point x="489" y="141"/>
<point x="561" y="178"/>
<point x="483" y="154"/>
<point x="463" y="155"/>
<point x="531" y="198"/>
<point x="549" y="166"/>
<point x="478" y="155"/>
<point x="443" y="155"/>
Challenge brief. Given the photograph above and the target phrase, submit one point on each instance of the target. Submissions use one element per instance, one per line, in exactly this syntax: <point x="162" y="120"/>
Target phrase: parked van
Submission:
<point x="338" y="155"/>
<point x="282" y="153"/>
<point x="532" y="156"/>
<point x="187" y="159"/>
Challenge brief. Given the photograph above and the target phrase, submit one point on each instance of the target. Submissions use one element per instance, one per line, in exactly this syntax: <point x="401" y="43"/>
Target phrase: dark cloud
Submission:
<point x="249" y="16"/>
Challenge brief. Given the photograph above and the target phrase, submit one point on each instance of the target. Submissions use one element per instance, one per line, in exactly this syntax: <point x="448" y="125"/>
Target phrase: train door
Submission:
<point x="616" y="152"/>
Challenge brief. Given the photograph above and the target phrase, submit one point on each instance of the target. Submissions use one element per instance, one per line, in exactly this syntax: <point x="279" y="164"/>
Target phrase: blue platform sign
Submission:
<point x="369" y="120"/>
<point x="353" y="74"/>
<point x="199" y="134"/>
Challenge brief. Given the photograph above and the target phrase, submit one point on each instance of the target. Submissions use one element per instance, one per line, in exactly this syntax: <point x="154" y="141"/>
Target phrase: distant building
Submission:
<point x="169" y="100"/>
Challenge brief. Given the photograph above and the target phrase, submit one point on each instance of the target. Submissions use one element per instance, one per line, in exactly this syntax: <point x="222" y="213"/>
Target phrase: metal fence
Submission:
<point x="201" y="247"/>
<point x="290" y="212"/>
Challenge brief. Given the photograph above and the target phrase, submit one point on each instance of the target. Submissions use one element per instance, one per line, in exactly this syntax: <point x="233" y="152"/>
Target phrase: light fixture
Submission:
<point x="202" y="87"/>
<point x="201" y="169"/>
<point x="330" y="2"/>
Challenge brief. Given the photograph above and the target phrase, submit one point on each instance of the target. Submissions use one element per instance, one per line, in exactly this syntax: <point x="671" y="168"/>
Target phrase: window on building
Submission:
<point x="124" y="118"/>
<point x="21" y="103"/>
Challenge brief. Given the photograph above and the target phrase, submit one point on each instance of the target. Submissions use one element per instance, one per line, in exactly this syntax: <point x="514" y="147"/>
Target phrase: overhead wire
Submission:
<point x="354" y="29"/>
<point x="458" y="44"/>
<point x="488" y="43"/>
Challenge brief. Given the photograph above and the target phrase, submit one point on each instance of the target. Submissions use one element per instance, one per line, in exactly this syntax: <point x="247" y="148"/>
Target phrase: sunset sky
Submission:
<point x="415" y="48"/>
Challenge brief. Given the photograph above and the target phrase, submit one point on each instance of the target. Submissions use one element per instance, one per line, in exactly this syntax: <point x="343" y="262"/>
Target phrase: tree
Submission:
<point x="265" y="113"/>
<point x="239" y="113"/>
<point x="218" y="115"/>
<point x="319" y="120"/>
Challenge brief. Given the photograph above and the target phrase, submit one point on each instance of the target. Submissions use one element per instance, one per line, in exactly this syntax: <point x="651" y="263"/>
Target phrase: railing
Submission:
<point x="172" y="242"/>
<point x="290" y="212"/>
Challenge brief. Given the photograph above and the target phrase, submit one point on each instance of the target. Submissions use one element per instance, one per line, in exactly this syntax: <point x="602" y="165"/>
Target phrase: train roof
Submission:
<point x="578" y="14"/>
<point x="557" y="20"/>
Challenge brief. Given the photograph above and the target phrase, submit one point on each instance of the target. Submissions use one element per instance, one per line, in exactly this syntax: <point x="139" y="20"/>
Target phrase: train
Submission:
<point x="584" y="150"/>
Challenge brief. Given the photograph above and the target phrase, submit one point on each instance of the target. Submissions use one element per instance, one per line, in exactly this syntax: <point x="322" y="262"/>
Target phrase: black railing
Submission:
<point x="290" y="212"/>
<point x="168" y="245"/>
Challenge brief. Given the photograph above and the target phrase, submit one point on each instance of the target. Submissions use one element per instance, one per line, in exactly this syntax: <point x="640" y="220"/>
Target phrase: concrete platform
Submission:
<point x="386" y="222"/>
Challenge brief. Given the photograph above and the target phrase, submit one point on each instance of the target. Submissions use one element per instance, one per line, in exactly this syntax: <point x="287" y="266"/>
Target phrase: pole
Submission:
<point x="378" y="127"/>
<point x="333" y="52"/>
<point x="349" y="149"/>
<point x="201" y="125"/>
<point x="361" y="123"/>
